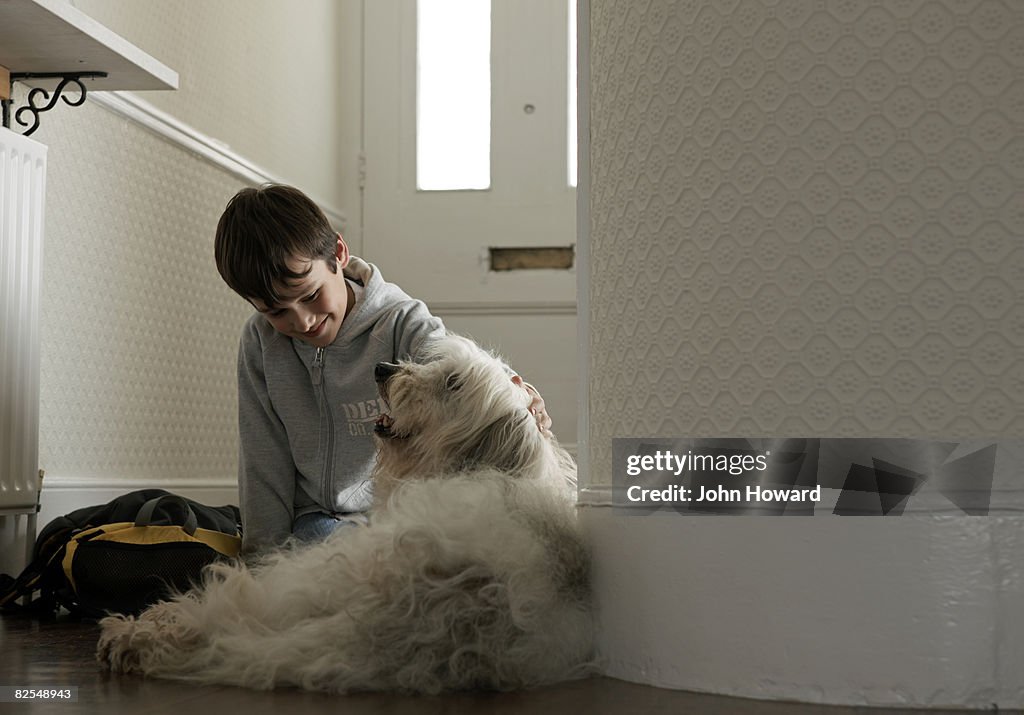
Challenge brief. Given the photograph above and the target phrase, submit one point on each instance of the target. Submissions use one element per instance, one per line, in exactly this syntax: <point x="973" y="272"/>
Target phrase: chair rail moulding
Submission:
<point x="213" y="151"/>
<point x="50" y="45"/>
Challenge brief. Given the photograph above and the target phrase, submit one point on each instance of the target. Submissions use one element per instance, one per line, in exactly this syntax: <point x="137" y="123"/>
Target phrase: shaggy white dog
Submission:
<point x="470" y="574"/>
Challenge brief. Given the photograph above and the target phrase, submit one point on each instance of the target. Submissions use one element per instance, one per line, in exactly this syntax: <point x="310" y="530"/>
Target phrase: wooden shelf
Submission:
<point x="53" y="36"/>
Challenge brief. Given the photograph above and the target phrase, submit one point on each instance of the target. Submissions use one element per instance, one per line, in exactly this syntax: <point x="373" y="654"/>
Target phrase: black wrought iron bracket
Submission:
<point x="38" y="96"/>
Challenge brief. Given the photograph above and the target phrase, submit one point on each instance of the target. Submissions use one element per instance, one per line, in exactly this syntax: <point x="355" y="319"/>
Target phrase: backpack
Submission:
<point x="123" y="556"/>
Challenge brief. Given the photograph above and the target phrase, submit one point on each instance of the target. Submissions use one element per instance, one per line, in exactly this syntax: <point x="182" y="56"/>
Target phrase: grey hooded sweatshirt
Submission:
<point x="306" y="414"/>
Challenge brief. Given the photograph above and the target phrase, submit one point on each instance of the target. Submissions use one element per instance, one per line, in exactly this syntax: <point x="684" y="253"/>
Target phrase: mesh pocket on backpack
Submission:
<point x="126" y="578"/>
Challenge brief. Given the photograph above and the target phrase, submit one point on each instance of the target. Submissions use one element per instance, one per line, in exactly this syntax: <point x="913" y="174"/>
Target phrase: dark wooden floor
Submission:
<point x="60" y="653"/>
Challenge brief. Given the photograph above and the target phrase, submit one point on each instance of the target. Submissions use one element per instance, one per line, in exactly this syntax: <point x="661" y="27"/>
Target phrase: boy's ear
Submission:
<point x="341" y="252"/>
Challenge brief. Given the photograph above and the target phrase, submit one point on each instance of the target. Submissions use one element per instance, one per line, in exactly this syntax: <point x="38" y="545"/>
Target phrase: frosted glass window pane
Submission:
<point x="572" y="93"/>
<point x="453" y="97"/>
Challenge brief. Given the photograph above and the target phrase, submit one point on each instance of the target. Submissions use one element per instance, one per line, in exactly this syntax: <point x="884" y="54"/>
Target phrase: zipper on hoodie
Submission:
<point x="318" y="367"/>
<point x="318" y="381"/>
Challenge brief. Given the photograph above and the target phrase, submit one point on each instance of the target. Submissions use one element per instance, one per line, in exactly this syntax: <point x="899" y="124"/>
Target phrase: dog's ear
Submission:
<point x="509" y="444"/>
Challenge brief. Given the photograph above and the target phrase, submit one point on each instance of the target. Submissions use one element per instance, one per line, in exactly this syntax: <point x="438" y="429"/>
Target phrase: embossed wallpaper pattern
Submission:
<point x="260" y="75"/>
<point x="807" y="218"/>
<point x="139" y="333"/>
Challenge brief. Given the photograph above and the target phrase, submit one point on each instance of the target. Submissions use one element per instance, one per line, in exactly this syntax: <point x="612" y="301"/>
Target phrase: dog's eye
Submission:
<point x="453" y="382"/>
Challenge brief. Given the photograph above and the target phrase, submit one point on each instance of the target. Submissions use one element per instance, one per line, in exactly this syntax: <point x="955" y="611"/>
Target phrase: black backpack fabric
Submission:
<point x="123" y="556"/>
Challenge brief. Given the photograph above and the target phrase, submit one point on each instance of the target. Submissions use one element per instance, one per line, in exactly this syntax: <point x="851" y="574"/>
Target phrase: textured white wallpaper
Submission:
<point x="139" y="333"/>
<point x="807" y="219"/>
<point x="260" y="75"/>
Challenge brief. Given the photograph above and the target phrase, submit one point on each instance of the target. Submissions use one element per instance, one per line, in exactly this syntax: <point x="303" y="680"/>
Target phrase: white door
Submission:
<point x="436" y="244"/>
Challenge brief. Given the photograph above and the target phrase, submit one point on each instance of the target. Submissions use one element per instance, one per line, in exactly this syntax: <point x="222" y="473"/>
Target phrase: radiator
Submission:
<point x="22" y="199"/>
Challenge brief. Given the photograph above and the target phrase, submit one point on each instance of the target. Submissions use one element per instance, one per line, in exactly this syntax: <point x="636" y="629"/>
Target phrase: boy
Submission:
<point x="307" y="401"/>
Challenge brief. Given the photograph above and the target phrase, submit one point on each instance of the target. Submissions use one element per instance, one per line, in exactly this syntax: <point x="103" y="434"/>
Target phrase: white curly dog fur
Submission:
<point x="471" y="573"/>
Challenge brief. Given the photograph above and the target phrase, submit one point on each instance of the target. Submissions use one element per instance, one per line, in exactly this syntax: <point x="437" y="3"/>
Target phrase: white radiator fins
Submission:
<point x="22" y="203"/>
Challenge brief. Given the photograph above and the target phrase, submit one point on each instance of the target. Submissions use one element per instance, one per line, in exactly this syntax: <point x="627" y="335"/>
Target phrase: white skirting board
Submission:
<point x="905" y="612"/>
<point x="65" y="494"/>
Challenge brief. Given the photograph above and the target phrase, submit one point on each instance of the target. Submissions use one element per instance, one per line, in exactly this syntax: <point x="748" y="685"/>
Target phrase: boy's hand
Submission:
<point x="536" y="406"/>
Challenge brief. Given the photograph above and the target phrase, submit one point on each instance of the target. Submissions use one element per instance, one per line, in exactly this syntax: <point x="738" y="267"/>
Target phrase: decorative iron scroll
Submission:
<point x="38" y="95"/>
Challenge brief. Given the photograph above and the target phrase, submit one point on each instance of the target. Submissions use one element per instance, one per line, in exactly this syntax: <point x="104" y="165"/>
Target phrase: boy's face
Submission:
<point x="312" y="309"/>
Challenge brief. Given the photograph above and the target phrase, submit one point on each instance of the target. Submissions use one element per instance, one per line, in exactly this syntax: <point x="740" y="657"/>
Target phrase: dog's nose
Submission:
<point x="384" y="370"/>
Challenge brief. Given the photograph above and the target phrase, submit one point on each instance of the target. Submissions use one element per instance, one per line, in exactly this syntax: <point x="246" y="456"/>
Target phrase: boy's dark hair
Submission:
<point x="260" y="230"/>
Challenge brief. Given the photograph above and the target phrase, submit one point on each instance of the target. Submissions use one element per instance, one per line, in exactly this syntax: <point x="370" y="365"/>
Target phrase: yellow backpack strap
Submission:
<point x="227" y="544"/>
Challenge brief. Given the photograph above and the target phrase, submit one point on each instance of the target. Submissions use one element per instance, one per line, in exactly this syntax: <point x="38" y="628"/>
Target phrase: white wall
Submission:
<point x="139" y="333"/>
<point x="262" y="76"/>
<point x="805" y="219"/>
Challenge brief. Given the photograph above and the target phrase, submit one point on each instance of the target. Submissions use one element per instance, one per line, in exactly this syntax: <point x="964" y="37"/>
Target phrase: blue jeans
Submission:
<point x="318" y="525"/>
